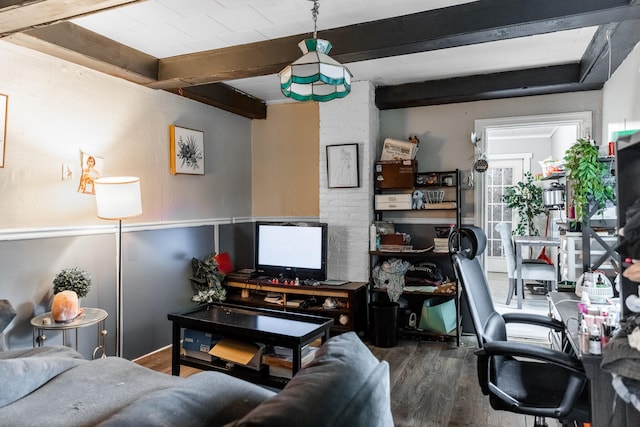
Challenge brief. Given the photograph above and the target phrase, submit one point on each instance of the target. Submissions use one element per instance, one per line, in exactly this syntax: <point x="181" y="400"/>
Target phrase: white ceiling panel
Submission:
<point x="165" y="28"/>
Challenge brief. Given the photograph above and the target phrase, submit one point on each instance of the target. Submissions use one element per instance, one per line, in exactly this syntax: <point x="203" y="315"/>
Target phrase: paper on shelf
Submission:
<point x="240" y="352"/>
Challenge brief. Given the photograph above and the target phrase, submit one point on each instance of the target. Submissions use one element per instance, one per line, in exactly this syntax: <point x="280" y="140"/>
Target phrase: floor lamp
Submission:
<point x="118" y="198"/>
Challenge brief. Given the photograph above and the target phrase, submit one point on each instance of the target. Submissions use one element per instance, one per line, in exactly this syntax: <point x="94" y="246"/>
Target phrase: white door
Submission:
<point x="503" y="172"/>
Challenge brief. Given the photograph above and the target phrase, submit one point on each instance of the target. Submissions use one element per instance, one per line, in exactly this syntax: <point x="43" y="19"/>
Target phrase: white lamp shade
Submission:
<point x="118" y="197"/>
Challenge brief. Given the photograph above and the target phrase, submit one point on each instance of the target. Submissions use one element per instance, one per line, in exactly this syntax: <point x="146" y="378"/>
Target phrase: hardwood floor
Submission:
<point x="433" y="384"/>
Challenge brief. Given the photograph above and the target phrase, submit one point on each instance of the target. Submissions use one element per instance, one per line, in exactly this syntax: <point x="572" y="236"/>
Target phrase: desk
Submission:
<point x="90" y="316"/>
<point x="564" y="305"/>
<point x="519" y="242"/>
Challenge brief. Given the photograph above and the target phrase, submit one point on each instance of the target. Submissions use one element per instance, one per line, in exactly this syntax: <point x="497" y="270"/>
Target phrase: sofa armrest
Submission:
<point x="345" y="385"/>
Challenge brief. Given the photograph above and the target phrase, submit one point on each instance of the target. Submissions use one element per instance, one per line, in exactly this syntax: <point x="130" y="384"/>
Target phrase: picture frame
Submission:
<point x="343" y="169"/>
<point x="4" y="109"/>
<point x="186" y="150"/>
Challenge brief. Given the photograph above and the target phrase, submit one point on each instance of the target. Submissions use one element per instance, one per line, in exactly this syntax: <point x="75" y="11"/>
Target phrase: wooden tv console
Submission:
<point x="349" y="312"/>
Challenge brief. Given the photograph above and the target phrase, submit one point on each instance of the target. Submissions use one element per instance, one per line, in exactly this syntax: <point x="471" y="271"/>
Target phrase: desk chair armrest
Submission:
<point x="517" y="349"/>
<point x="534" y="319"/>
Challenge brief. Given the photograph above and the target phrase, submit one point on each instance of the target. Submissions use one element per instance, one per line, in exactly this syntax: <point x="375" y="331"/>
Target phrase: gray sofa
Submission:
<point x="345" y="385"/>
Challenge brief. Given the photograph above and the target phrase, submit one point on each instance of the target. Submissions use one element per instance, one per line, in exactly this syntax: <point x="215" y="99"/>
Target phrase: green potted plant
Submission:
<point x="526" y="198"/>
<point x="72" y="279"/>
<point x="587" y="179"/>
<point x="207" y="280"/>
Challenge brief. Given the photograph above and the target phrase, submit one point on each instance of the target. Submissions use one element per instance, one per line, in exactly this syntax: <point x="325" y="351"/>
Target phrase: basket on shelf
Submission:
<point x="598" y="290"/>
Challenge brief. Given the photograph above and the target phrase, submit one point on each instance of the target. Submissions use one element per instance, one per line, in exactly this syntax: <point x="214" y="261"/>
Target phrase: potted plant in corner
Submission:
<point x="526" y="198"/>
<point x="590" y="191"/>
<point x="207" y="280"/>
<point x="72" y="279"/>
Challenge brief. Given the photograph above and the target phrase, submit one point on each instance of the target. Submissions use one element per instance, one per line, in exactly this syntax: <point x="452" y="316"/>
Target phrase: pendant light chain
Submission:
<point x="314" y="13"/>
<point x="315" y="76"/>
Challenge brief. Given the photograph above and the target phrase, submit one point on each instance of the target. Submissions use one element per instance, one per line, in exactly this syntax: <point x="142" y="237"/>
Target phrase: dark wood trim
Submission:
<point x="21" y="15"/>
<point x="226" y="98"/>
<point x="466" y="24"/>
<point x="536" y="81"/>
<point x="89" y="48"/>
<point x="595" y="62"/>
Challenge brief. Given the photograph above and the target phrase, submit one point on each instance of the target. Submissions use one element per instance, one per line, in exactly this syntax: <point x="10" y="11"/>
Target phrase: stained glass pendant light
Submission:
<point x="315" y="76"/>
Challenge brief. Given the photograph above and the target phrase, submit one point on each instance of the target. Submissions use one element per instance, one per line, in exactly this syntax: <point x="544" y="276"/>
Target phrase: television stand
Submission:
<point x="345" y="304"/>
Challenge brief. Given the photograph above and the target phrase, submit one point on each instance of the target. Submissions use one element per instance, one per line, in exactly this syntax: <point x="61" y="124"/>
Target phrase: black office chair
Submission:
<point x="518" y="377"/>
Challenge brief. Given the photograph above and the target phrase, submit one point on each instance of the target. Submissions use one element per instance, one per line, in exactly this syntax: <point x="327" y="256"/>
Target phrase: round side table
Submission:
<point x="90" y="316"/>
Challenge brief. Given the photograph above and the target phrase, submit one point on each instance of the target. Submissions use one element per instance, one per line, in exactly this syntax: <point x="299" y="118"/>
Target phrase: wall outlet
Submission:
<point x="68" y="171"/>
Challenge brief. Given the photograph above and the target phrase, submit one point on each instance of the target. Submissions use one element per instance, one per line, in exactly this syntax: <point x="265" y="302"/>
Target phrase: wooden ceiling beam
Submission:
<point x="535" y="81"/>
<point x="21" y="15"/>
<point x="76" y="44"/>
<point x="471" y="23"/>
<point x="618" y="38"/>
<point x="226" y="98"/>
<point x="466" y="24"/>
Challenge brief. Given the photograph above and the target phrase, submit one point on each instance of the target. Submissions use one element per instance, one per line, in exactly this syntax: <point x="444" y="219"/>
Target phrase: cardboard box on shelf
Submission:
<point x="395" y="173"/>
<point x="197" y="344"/>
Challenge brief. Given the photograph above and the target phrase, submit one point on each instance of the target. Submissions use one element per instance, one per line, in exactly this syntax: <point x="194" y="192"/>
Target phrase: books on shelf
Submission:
<point x="440" y="245"/>
<point x="274" y="298"/>
<point x="280" y="361"/>
<point x="295" y="303"/>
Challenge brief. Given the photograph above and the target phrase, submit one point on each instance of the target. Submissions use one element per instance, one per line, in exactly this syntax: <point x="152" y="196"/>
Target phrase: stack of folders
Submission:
<point x="280" y="360"/>
<point x="440" y="245"/>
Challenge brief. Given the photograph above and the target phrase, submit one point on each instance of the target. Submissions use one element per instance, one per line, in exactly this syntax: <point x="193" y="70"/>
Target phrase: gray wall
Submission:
<point x="56" y="110"/>
<point x="156" y="267"/>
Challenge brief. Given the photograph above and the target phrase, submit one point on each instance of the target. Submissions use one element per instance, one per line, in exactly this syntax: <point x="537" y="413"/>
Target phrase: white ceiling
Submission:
<point x="165" y="28"/>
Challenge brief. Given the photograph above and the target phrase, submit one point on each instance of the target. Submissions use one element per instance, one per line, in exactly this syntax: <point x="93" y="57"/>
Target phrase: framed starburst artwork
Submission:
<point x="186" y="151"/>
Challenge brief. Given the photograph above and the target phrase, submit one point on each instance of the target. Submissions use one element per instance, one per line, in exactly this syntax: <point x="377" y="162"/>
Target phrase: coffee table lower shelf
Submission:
<point x="260" y="377"/>
<point x="270" y="327"/>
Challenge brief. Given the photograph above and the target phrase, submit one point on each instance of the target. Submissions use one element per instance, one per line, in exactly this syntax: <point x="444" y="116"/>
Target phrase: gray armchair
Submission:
<point x="531" y="269"/>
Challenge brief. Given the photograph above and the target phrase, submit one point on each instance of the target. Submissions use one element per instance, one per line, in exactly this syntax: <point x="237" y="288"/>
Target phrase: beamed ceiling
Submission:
<point x="416" y="56"/>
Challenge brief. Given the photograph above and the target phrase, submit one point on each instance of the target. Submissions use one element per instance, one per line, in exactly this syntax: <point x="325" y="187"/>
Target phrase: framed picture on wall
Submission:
<point x="4" y="107"/>
<point x="186" y="151"/>
<point x="342" y="166"/>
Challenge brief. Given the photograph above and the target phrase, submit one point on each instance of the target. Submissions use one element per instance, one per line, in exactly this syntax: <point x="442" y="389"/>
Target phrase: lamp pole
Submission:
<point x="118" y="198"/>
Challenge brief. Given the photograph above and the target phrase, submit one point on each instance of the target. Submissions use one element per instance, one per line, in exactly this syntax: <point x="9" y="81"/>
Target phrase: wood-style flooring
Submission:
<point x="432" y="384"/>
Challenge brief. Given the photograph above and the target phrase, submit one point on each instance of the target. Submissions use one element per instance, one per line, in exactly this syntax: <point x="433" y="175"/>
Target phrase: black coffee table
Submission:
<point x="270" y="327"/>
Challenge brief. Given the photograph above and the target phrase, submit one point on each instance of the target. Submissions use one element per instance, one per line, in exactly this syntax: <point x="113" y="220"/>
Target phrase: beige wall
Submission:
<point x="285" y="156"/>
<point x="56" y="109"/>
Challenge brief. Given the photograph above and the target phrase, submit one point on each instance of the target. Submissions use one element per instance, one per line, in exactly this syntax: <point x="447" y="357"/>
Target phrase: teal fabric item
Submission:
<point x="438" y="315"/>
<point x="344" y="386"/>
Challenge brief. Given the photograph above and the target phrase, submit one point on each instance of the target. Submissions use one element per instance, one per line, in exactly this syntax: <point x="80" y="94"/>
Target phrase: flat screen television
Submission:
<point x="291" y="249"/>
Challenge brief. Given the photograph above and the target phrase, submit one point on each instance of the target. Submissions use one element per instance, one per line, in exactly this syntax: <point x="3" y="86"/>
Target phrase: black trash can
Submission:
<point x="384" y="319"/>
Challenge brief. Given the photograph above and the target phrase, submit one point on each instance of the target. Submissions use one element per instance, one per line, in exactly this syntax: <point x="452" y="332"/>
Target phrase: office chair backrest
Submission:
<point x="504" y="228"/>
<point x="489" y="324"/>
<point x="473" y="280"/>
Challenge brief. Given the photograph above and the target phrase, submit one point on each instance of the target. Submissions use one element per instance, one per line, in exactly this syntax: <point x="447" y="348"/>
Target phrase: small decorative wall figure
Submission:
<point x="91" y="167"/>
